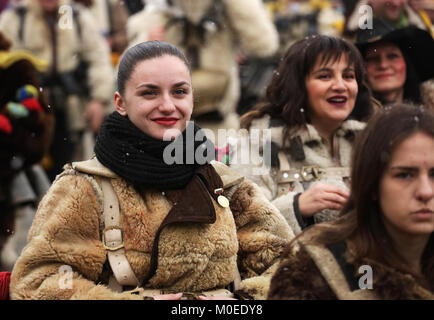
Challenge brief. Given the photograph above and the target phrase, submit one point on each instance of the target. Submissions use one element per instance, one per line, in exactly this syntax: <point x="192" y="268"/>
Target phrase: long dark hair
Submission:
<point x="360" y="219"/>
<point x="144" y="51"/>
<point x="286" y="95"/>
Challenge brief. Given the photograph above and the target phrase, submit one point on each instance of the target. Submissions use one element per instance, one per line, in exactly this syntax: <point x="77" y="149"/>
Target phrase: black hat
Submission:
<point x="415" y="43"/>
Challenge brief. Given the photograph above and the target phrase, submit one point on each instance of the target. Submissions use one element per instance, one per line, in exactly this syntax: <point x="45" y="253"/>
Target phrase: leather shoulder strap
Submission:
<point x="113" y="241"/>
<point x="284" y="187"/>
<point x="94" y="167"/>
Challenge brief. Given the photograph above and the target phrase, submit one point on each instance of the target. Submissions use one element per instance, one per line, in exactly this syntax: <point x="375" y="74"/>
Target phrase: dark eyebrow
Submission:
<point x="180" y="84"/>
<point x="322" y="70"/>
<point x="330" y="70"/>
<point x="404" y="168"/>
<point x="147" y="85"/>
<point x="153" y="86"/>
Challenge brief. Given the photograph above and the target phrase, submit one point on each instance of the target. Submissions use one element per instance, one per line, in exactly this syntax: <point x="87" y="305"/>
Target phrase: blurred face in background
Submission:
<point x="388" y="9"/>
<point x="49" y="5"/>
<point x="386" y="68"/>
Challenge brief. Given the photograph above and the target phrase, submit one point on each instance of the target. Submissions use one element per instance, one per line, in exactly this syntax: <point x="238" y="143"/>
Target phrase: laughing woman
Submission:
<point x="315" y="105"/>
<point x="383" y="245"/>
<point x="126" y="219"/>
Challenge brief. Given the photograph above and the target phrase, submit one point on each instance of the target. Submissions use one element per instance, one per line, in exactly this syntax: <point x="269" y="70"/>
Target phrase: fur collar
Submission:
<point x="308" y="135"/>
<point x="300" y="267"/>
<point x="392" y="284"/>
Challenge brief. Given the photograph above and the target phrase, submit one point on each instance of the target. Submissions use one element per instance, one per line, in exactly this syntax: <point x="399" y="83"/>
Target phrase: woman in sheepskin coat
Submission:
<point x="382" y="246"/>
<point x="211" y="34"/>
<point x="183" y="228"/>
<point x="315" y="106"/>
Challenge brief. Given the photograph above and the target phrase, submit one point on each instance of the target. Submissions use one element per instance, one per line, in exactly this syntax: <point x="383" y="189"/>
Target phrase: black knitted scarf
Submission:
<point x="138" y="158"/>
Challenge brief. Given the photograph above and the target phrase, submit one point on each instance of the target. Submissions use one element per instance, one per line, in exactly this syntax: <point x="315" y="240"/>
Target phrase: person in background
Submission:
<point x="134" y="6"/>
<point x="315" y="105"/>
<point x="382" y="245"/>
<point x="137" y="222"/>
<point x="297" y="19"/>
<point x="397" y="62"/>
<point x="3" y="4"/>
<point x="79" y="78"/>
<point x="111" y="17"/>
<point x="397" y="13"/>
<point x="26" y="128"/>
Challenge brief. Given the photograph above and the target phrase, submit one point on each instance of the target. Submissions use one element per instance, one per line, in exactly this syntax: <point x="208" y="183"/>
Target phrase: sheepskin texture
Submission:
<point x="92" y="47"/>
<point x="299" y="278"/>
<point x="246" y="27"/>
<point x="315" y="151"/>
<point x="192" y="257"/>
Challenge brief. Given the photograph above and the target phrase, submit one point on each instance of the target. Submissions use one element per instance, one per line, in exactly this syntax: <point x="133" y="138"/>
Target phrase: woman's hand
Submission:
<point x="321" y="196"/>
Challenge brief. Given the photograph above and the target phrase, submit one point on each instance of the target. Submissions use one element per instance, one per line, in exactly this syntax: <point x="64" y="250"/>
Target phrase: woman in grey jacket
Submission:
<point x="315" y="105"/>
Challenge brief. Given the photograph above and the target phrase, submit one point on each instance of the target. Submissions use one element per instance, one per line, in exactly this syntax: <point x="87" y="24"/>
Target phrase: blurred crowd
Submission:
<point x="59" y="58"/>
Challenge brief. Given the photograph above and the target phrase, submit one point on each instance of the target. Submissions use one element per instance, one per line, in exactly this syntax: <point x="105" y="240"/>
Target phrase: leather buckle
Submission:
<point x="112" y="248"/>
<point x="310" y="173"/>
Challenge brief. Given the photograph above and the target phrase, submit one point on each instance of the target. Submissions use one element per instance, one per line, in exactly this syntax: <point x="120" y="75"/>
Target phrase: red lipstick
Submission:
<point x="166" y="121"/>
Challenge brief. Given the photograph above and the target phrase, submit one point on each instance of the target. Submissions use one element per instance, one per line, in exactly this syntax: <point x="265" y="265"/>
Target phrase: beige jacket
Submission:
<point x="246" y="27"/>
<point x="66" y="233"/>
<point x="92" y="47"/>
<point x="282" y="194"/>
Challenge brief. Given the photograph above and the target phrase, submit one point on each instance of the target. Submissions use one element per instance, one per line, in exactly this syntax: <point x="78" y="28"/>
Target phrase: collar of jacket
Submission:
<point x="392" y="284"/>
<point x="308" y="135"/>
<point x="92" y="166"/>
<point x="388" y="283"/>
